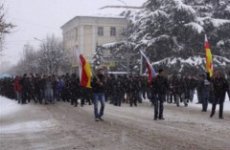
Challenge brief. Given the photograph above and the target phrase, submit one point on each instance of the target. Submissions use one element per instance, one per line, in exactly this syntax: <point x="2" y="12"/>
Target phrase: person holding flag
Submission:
<point x="98" y="85"/>
<point x="221" y="87"/>
<point x="159" y="88"/>
<point x="206" y="79"/>
<point x="220" y="84"/>
<point x="161" y="84"/>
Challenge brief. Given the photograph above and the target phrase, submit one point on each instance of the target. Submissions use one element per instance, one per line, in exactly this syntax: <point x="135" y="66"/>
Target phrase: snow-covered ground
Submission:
<point x="8" y="106"/>
<point x="62" y="126"/>
<point x="10" y="121"/>
<point x="226" y="104"/>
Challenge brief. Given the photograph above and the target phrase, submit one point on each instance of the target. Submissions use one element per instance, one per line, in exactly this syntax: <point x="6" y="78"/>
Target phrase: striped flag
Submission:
<point x="85" y="72"/>
<point x="209" y="61"/>
<point x="151" y="72"/>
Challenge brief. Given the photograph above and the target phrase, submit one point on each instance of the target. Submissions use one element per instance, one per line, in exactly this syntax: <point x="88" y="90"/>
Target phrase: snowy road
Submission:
<point x="63" y="127"/>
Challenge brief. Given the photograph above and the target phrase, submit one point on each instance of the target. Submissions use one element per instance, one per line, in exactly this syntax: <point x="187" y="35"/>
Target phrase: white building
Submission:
<point x="83" y="34"/>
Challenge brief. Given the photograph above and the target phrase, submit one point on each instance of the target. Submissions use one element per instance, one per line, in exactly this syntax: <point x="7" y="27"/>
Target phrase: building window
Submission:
<point x="112" y="31"/>
<point x="100" y="31"/>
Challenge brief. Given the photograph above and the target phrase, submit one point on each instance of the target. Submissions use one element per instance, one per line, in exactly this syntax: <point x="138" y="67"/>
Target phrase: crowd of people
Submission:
<point x="119" y="89"/>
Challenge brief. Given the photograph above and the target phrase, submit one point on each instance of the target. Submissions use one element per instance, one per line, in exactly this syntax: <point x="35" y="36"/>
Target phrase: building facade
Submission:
<point x="83" y="34"/>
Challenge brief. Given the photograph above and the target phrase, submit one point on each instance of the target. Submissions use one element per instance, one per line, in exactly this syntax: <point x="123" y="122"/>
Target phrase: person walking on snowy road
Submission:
<point x="98" y="86"/>
<point x="220" y="86"/>
<point x="162" y="86"/>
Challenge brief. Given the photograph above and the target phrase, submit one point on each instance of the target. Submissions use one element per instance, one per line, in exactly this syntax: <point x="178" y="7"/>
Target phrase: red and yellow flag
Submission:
<point x="86" y="73"/>
<point x="209" y="62"/>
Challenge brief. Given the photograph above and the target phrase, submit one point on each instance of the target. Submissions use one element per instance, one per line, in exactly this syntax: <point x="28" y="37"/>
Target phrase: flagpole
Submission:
<point x="141" y="67"/>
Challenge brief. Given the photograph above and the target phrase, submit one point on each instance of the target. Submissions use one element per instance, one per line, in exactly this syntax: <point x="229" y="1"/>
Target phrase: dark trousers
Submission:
<point x="133" y="99"/>
<point x="153" y="98"/>
<point x="24" y="96"/>
<point x="143" y="92"/>
<point x="86" y="95"/>
<point x="159" y="106"/>
<point x="200" y="96"/>
<point x="116" y="99"/>
<point x="74" y="98"/>
<point x="113" y="98"/>
<point x="120" y="97"/>
<point x="218" y="100"/>
<point x="66" y="95"/>
<point x="38" y="95"/>
<point x="206" y="96"/>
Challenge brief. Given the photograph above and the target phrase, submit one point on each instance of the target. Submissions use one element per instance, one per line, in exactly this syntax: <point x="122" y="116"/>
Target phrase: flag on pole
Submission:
<point x="209" y="61"/>
<point x="85" y="72"/>
<point x="151" y="72"/>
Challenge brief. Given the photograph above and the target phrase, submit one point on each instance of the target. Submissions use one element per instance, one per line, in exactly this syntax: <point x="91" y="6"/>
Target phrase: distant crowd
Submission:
<point x="119" y="89"/>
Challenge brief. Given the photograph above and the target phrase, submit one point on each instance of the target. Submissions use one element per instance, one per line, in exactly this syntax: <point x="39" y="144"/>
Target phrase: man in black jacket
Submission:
<point x="98" y="86"/>
<point x="25" y="89"/>
<point x="161" y="84"/>
<point x="74" y="90"/>
<point x="133" y="87"/>
<point x="220" y="86"/>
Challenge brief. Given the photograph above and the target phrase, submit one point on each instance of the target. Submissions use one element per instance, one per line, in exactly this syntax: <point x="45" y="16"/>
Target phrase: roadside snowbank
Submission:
<point x="8" y="106"/>
<point x="12" y="117"/>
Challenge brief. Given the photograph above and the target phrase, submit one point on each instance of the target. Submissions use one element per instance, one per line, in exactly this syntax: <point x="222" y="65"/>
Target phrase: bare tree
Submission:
<point x="52" y="57"/>
<point x="5" y="26"/>
<point x="49" y="59"/>
<point x="28" y="62"/>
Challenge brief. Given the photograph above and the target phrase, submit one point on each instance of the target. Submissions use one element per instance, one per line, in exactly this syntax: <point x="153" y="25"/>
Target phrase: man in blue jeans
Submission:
<point x="98" y="86"/>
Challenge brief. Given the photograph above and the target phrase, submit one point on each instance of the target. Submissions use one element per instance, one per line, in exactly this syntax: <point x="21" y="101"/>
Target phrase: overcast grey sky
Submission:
<point x="38" y="18"/>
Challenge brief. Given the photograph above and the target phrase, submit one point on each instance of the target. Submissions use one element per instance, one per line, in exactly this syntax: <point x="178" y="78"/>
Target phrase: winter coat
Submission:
<point x="99" y="84"/>
<point x="17" y="85"/>
<point x="176" y="85"/>
<point x="25" y="84"/>
<point x="161" y="85"/>
<point x="60" y="85"/>
<point x="220" y="86"/>
<point x="74" y="86"/>
<point x="48" y="85"/>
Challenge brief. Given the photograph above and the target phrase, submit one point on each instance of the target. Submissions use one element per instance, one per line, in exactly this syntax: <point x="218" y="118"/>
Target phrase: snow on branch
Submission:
<point x="154" y="40"/>
<point x="192" y="61"/>
<point x="219" y="22"/>
<point x="181" y="6"/>
<point x="195" y="26"/>
<point x="159" y="13"/>
<point x="215" y="22"/>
